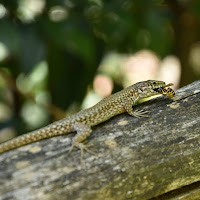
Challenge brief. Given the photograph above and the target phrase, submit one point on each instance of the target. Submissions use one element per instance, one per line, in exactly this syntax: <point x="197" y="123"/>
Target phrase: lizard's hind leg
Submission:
<point x="83" y="131"/>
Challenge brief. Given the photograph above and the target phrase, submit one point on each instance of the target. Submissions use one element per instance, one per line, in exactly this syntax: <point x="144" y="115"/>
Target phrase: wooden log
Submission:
<point x="137" y="158"/>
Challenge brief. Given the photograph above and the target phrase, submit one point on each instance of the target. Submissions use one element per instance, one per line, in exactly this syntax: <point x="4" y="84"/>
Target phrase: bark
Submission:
<point x="137" y="158"/>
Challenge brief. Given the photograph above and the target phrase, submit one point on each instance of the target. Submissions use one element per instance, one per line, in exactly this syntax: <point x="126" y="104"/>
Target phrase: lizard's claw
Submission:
<point x="140" y="113"/>
<point x="83" y="148"/>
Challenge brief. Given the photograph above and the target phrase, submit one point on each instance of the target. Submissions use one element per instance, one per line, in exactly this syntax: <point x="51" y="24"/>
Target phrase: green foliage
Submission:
<point x="73" y="41"/>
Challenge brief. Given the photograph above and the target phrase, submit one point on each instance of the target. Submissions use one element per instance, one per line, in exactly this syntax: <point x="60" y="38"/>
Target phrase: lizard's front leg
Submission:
<point x="128" y="106"/>
<point x="83" y="131"/>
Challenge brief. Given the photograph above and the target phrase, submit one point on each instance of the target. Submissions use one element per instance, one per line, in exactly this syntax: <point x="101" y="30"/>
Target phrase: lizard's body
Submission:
<point x="82" y="121"/>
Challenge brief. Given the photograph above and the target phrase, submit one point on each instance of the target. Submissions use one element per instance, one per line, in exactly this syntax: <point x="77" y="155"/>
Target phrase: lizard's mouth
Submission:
<point x="166" y="90"/>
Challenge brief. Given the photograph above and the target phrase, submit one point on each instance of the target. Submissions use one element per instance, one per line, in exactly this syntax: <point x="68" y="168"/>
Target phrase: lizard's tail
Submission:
<point x="51" y="130"/>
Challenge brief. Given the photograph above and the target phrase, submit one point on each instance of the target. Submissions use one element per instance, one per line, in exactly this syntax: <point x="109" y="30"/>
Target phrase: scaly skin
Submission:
<point x="82" y="121"/>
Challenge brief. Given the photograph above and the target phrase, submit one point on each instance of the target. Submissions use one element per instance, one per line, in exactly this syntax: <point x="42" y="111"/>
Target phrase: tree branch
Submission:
<point x="137" y="158"/>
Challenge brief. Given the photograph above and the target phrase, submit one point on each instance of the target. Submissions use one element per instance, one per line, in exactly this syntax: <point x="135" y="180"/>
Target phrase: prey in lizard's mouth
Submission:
<point x="166" y="90"/>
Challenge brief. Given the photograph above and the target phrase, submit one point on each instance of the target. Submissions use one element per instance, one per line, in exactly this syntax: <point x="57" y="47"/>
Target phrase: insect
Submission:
<point x="166" y="90"/>
<point x="169" y="91"/>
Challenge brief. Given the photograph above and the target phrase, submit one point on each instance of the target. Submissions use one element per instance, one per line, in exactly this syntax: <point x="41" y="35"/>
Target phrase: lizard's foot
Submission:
<point x="139" y="113"/>
<point x="83" y="148"/>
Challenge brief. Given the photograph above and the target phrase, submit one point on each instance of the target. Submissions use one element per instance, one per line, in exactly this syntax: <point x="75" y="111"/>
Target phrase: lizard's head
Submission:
<point x="153" y="87"/>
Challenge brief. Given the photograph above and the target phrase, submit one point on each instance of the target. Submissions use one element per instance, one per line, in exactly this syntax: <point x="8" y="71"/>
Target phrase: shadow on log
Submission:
<point x="147" y="158"/>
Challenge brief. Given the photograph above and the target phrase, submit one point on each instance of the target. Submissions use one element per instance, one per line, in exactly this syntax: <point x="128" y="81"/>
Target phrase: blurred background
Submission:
<point x="60" y="56"/>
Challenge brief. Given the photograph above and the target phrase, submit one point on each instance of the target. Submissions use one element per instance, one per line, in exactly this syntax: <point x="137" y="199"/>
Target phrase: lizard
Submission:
<point x="82" y="121"/>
